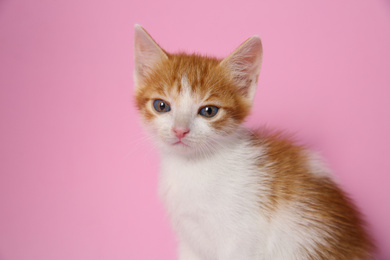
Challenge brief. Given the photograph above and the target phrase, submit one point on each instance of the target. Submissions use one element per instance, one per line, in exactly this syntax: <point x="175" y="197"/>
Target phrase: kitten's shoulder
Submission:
<point x="285" y="154"/>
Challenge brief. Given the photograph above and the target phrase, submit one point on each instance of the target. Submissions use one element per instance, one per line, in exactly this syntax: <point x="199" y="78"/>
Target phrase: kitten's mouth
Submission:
<point x="180" y="142"/>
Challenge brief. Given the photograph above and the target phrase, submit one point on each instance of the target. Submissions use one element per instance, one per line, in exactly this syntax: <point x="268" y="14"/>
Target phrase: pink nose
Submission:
<point x="180" y="132"/>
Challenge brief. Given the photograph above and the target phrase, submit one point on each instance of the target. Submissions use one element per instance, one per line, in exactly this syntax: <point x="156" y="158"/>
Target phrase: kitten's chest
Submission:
<point x="211" y="202"/>
<point x="221" y="186"/>
<point x="193" y="185"/>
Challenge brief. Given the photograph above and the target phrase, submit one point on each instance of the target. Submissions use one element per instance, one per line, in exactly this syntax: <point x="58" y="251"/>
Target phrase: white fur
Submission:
<point x="315" y="164"/>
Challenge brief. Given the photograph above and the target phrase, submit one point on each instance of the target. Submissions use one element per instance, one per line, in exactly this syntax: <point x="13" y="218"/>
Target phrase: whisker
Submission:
<point x="134" y="145"/>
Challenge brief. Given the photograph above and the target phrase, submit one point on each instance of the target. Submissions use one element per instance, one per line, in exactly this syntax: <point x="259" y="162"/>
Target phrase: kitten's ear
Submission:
<point x="147" y="53"/>
<point x="244" y="65"/>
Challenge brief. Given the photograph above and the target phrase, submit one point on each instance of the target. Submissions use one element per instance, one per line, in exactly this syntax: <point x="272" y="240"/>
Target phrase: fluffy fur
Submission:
<point x="231" y="193"/>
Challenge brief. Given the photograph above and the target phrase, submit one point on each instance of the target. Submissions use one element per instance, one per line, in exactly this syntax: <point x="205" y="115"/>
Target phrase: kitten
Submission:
<point x="233" y="194"/>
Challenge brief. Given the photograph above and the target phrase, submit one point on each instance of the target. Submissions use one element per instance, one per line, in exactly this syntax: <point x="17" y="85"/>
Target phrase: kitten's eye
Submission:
<point x="161" y="106"/>
<point x="208" y="111"/>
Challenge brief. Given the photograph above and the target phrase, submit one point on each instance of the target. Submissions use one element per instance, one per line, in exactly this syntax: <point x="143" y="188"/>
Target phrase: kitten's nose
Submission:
<point x="180" y="132"/>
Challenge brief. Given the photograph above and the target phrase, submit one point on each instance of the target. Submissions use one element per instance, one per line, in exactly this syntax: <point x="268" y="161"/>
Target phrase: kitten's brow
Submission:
<point x="211" y="97"/>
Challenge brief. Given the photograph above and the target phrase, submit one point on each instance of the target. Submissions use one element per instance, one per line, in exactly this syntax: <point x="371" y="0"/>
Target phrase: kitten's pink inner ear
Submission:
<point x="244" y="66"/>
<point x="147" y="53"/>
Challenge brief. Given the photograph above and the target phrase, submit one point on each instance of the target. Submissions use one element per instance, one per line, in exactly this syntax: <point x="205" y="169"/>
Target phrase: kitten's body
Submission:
<point x="232" y="194"/>
<point x="236" y="204"/>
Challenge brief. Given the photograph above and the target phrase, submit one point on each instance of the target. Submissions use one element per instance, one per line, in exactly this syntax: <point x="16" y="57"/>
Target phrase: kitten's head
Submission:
<point x="190" y="103"/>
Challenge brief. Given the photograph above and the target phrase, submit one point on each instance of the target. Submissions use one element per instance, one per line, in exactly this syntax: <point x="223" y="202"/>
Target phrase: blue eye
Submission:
<point x="208" y="111"/>
<point x="161" y="106"/>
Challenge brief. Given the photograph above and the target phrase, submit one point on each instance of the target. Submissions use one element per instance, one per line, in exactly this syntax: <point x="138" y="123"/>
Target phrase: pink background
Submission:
<point x="78" y="179"/>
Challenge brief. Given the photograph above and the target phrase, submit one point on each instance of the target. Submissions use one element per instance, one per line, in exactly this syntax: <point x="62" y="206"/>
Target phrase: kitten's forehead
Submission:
<point x="193" y="74"/>
<point x="185" y="98"/>
<point x="188" y="91"/>
<point x="186" y="88"/>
